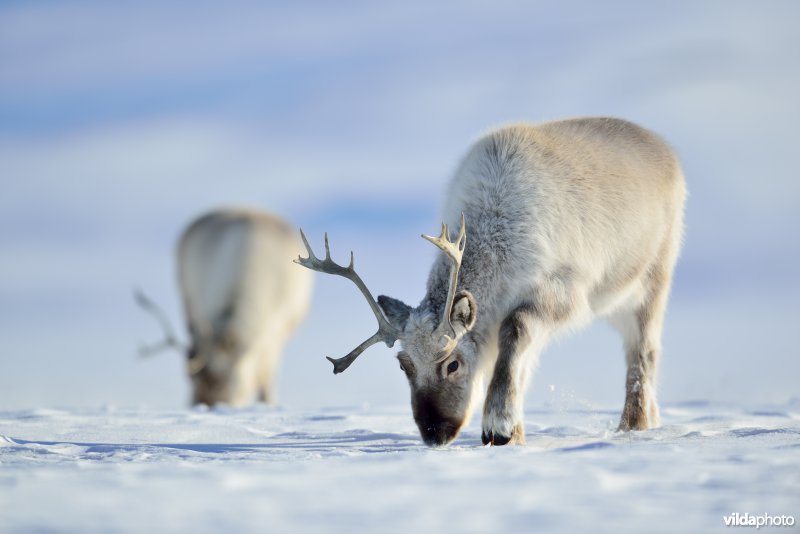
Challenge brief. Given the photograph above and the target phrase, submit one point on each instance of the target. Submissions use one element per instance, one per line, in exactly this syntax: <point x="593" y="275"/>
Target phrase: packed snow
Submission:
<point x="365" y="469"/>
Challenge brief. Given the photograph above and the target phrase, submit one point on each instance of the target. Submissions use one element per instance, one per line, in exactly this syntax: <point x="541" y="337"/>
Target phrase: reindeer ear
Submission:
<point x="464" y="311"/>
<point x="396" y="311"/>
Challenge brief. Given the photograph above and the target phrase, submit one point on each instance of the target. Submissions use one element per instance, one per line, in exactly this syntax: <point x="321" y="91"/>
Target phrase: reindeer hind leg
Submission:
<point x="641" y="327"/>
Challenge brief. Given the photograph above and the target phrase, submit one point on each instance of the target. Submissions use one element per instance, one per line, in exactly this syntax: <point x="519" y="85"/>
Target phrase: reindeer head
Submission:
<point x="217" y="372"/>
<point x="438" y="358"/>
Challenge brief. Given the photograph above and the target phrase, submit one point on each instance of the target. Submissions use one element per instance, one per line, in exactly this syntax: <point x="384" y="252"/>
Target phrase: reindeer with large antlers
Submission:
<point x="559" y="223"/>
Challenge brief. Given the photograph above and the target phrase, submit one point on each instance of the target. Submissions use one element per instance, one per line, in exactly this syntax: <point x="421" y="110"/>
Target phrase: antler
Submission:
<point x="454" y="250"/>
<point x="386" y="332"/>
<point x="170" y="341"/>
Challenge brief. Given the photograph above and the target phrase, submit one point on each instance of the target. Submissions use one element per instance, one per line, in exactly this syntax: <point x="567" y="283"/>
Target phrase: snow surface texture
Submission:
<point x="366" y="470"/>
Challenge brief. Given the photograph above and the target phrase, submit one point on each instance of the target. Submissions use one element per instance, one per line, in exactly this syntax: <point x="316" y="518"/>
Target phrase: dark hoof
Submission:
<point x="500" y="440"/>
<point x="494" y="439"/>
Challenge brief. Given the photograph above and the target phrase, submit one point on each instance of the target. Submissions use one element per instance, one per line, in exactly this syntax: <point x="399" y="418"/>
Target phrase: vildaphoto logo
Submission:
<point x="764" y="520"/>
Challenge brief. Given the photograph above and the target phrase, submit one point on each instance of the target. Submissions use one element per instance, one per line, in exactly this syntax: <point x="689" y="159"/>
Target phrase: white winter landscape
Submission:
<point x="366" y="470"/>
<point x="119" y="122"/>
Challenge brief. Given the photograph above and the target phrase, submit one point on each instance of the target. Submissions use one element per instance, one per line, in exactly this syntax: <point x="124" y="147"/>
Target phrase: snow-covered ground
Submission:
<point x="365" y="469"/>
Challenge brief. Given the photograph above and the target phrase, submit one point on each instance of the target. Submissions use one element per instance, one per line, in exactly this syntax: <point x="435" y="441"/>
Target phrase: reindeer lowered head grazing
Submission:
<point x="242" y="299"/>
<point x="438" y="421"/>
<point x="558" y="223"/>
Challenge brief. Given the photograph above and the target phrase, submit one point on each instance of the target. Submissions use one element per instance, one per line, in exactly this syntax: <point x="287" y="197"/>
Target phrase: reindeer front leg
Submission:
<point x="503" y="410"/>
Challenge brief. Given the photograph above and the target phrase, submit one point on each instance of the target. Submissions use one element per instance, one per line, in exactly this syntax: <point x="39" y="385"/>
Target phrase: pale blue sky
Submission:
<point x="121" y="121"/>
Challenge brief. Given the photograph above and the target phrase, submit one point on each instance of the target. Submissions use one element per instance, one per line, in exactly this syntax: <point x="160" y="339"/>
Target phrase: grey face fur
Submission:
<point x="442" y="382"/>
<point x="213" y="371"/>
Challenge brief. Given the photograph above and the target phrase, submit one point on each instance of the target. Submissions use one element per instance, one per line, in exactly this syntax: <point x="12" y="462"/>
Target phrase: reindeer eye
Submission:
<point x="451" y="368"/>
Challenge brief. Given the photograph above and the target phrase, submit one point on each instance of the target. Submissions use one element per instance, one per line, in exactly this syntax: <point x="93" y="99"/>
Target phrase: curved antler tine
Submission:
<point x="461" y="241"/>
<point x="454" y="250"/>
<point x="386" y="331"/>
<point x="340" y="364"/>
<point x="311" y="256"/>
<point x="170" y="340"/>
<point x="327" y="249"/>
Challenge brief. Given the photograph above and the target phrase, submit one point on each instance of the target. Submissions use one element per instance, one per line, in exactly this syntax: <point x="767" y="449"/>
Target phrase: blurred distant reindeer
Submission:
<point x="559" y="223"/>
<point x="242" y="298"/>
